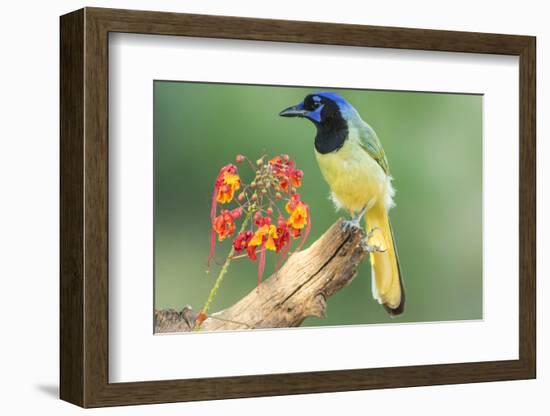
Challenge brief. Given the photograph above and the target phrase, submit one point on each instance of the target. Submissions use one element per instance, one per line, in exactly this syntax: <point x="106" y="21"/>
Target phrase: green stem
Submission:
<point x="223" y="270"/>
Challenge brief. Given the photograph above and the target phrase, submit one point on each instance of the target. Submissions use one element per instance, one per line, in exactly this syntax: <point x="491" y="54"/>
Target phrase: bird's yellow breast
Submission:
<point x="355" y="178"/>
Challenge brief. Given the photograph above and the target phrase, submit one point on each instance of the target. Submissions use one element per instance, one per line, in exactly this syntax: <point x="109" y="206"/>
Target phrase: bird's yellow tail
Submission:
<point x="387" y="284"/>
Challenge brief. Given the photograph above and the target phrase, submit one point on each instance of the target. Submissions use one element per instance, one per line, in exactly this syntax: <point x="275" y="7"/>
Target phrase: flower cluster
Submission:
<point x="265" y="226"/>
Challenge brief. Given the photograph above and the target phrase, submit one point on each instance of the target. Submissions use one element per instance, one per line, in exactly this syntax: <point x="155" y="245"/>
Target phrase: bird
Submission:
<point x="353" y="163"/>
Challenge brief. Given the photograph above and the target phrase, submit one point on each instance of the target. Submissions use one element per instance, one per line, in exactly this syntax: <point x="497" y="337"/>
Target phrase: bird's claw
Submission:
<point x="349" y="225"/>
<point x="374" y="248"/>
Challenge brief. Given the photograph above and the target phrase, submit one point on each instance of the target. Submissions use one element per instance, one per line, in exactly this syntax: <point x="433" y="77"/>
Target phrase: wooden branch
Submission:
<point x="296" y="291"/>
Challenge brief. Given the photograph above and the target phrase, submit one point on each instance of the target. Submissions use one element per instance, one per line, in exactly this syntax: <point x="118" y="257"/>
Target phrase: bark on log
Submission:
<point x="299" y="289"/>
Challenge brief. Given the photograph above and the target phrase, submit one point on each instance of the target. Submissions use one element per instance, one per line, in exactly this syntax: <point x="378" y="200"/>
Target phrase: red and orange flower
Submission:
<point x="224" y="224"/>
<point x="283" y="235"/>
<point x="275" y="180"/>
<point x="285" y="171"/>
<point x="265" y="236"/>
<point x="227" y="183"/>
<point x="298" y="216"/>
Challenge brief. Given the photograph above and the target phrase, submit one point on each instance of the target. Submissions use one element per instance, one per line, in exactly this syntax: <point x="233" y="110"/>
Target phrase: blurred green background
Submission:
<point x="433" y="142"/>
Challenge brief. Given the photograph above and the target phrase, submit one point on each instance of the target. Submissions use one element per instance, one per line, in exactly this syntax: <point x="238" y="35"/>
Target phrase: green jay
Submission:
<point x="353" y="162"/>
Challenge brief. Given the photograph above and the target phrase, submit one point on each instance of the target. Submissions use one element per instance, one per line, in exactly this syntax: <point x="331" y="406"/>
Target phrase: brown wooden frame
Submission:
<point x="84" y="207"/>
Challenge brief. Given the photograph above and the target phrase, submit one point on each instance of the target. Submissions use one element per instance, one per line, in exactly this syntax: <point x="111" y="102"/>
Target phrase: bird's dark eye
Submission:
<point x="312" y="102"/>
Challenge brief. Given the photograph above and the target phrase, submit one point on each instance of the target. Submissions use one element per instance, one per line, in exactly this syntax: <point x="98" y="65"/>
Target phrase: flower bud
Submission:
<point x="254" y="197"/>
<point x="241" y="196"/>
<point x="253" y="185"/>
<point x="236" y="213"/>
<point x="264" y="191"/>
<point x="239" y="158"/>
<point x="269" y="211"/>
<point x="278" y="196"/>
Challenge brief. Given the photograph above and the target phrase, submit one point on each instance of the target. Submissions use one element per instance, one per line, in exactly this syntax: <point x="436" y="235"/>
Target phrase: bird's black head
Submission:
<point x="326" y="111"/>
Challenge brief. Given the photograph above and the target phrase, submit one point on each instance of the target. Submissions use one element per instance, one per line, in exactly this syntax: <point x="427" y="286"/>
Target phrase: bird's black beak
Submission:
<point x="294" y="111"/>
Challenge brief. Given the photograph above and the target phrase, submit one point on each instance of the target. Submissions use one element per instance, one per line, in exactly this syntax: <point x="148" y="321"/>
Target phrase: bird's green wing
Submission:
<point x="371" y="144"/>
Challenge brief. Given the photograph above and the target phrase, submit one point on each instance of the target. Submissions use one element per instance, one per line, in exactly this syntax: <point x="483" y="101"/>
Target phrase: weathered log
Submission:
<point x="299" y="289"/>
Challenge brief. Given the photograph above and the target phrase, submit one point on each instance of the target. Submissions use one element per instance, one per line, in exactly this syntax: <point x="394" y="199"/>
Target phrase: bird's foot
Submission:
<point x="371" y="248"/>
<point x="349" y="225"/>
<point x="355" y="222"/>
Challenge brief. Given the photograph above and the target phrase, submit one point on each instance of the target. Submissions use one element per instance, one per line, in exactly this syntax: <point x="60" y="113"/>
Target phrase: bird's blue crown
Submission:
<point x="345" y="107"/>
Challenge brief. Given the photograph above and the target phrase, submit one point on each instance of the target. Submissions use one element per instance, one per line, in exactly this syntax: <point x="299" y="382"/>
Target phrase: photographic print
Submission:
<point x="285" y="206"/>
